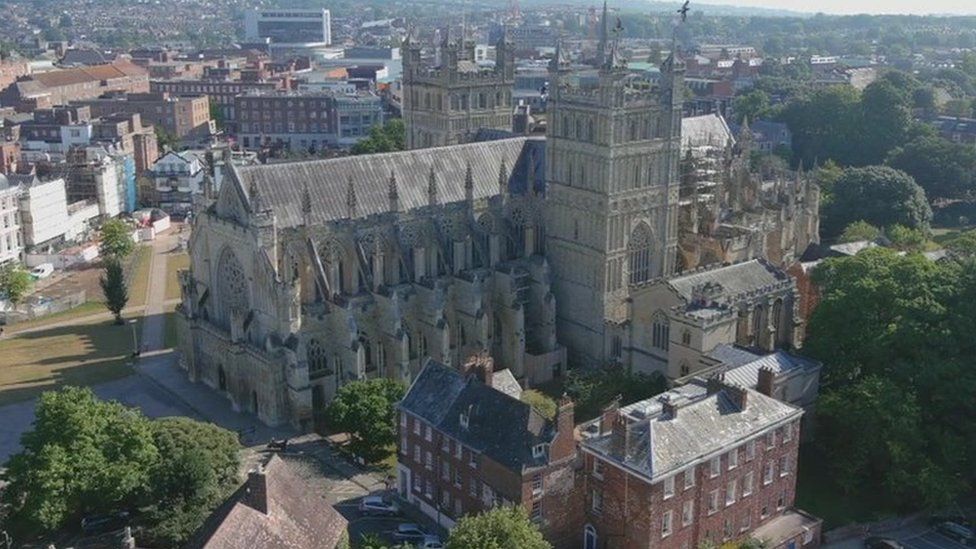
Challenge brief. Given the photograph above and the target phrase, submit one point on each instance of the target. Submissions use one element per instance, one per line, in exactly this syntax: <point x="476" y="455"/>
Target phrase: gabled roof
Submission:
<point x="742" y="366"/>
<point x="730" y="280"/>
<point x="704" y="425"/>
<point x="297" y="516"/>
<point x="281" y="185"/>
<point x="500" y="426"/>
<point x="708" y="130"/>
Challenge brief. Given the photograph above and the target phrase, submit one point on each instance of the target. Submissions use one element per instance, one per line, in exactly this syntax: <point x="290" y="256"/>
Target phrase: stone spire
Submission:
<point x="257" y="203"/>
<point x="432" y="187"/>
<point x="468" y="183"/>
<point x="601" y="54"/>
<point x="351" y="199"/>
<point x="503" y="179"/>
<point x="393" y="193"/>
<point x="306" y="205"/>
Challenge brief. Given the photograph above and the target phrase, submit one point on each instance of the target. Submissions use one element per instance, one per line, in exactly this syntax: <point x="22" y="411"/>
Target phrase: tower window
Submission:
<point x="639" y="252"/>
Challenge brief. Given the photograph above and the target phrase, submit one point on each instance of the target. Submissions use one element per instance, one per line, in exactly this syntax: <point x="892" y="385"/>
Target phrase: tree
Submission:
<point x="823" y="125"/>
<point x="499" y="528"/>
<point x="82" y="456"/>
<point x="389" y="137"/>
<point x="116" y="240"/>
<point x="540" y="403"/>
<point x="216" y="113"/>
<point x="114" y="288"/>
<point x="886" y="116"/>
<point x="907" y="240"/>
<point x="878" y="195"/>
<point x="963" y="243"/>
<point x="15" y="282"/>
<point x="859" y="231"/>
<point x="367" y="411"/>
<point x="165" y="140"/>
<point x="197" y="469"/>
<point x="752" y="105"/>
<point x="943" y="168"/>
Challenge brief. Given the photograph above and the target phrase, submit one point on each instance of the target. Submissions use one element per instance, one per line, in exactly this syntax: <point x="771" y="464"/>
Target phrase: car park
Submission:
<point x="956" y="531"/>
<point x="431" y="541"/>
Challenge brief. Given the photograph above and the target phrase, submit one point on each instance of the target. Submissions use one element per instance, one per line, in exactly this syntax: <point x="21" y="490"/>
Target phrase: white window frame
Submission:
<point x="713" y="501"/>
<point x="715" y="466"/>
<point x="733" y="458"/>
<point x="688" y="512"/>
<point x="666" y="523"/>
<point x="769" y="472"/>
<point x="731" y="491"/>
<point x="751" y="450"/>
<point x="747" y="483"/>
<point x="689" y="478"/>
<point x="668" y="487"/>
<point x="597" y="468"/>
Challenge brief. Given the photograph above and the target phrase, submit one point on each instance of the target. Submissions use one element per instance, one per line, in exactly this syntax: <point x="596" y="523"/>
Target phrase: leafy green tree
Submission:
<point x="216" y="113"/>
<point x="752" y="105"/>
<point x="823" y="125"/>
<point x="963" y="243"/>
<point x="196" y="471"/>
<point x="389" y="137"/>
<point x="114" y="288"/>
<point x="116" y="239"/>
<point x="541" y="403"/>
<point x="82" y="456"/>
<point x="499" y="528"/>
<point x="15" y="282"/>
<point x="878" y="195"/>
<point x="165" y="140"/>
<point x="886" y="116"/>
<point x="858" y="231"/>
<point x="943" y="168"/>
<point x="907" y="240"/>
<point x="367" y="411"/>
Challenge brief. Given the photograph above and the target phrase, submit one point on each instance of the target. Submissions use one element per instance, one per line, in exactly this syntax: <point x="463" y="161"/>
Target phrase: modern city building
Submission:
<point x="288" y="26"/>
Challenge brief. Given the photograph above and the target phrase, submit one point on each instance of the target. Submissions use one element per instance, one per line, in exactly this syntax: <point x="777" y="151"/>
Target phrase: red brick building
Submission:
<point x="704" y="463"/>
<point x="467" y="444"/>
<point x="61" y="86"/>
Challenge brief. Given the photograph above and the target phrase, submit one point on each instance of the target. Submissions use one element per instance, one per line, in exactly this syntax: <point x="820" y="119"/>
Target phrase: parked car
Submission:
<point x="376" y="505"/>
<point x="99" y="524"/>
<point x="431" y="541"/>
<point x="410" y="533"/>
<point x="875" y="542"/>
<point x="43" y="270"/>
<point x="956" y="531"/>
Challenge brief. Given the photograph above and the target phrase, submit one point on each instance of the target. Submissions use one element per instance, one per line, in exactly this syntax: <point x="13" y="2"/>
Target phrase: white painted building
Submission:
<point x="45" y="215"/>
<point x="11" y="240"/>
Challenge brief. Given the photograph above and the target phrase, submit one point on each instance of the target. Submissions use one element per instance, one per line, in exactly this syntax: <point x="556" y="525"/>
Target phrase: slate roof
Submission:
<point x="704" y="425"/>
<point x="500" y="426"/>
<point x="732" y="279"/>
<point x="297" y="516"/>
<point x="709" y="130"/>
<point x="281" y="185"/>
<point x="742" y="366"/>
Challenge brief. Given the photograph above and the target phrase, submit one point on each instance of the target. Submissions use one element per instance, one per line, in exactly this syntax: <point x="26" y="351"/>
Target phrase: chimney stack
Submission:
<point x="668" y="407"/>
<point x="482" y="366"/>
<point x="620" y="437"/>
<point x="609" y="415"/>
<point x="764" y="383"/>
<point x="257" y="489"/>
<point x="564" y="444"/>
<point x="716" y="383"/>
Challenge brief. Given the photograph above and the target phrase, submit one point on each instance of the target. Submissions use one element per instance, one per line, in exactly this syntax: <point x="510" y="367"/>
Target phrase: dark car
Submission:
<point x="956" y="531"/>
<point x="100" y="524"/>
<point x="875" y="542"/>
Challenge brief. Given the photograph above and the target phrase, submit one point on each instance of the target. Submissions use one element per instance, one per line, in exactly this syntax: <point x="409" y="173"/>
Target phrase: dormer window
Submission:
<point x="540" y="450"/>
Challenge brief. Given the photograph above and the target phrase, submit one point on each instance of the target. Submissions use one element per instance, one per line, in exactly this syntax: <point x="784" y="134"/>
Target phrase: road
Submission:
<point x="912" y="536"/>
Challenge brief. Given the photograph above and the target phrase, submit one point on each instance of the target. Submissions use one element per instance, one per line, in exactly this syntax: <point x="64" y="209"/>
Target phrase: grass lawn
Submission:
<point x="817" y="493"/>
<point x="137" y="275"/>
<point x="175" y="263"/>
<point x="84" y="354"/>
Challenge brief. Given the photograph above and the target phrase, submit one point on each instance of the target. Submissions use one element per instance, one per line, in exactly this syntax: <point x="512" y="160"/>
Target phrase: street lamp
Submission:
<point x="135" y="340"/>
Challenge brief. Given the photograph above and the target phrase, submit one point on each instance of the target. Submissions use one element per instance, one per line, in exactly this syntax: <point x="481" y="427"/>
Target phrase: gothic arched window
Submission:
<point x="318" y="361"/>
<point x="778" y="321"/>
<point x="757" y="325"/>
<point x="660" y="331"/>
<point x="232" y="284"/>
<point x="639" y="254"/>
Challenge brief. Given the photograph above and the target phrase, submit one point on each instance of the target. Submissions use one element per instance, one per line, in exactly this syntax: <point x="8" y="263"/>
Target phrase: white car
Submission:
<point x="409" y="533"/>
<point x="376" y="505"/>
<point x="43" y="270"/>
<point x="431" y="541"/>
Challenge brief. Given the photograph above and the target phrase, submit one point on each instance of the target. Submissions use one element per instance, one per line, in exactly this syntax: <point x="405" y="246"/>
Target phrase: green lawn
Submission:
<point x="137" y="275"/>
<point x="83" y="354"/>
<point x="174" y="264"/>
<point x="817" y="493"/>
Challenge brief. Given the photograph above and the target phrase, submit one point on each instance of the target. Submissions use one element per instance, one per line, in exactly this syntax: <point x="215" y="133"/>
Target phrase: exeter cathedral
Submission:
<point x="582" y="248"/>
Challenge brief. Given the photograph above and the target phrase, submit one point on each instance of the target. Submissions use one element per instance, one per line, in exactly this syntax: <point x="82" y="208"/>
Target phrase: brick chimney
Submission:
<point x="764" y="383"/>
<point x="257" y="489"/>
<point x="480" y="365"/>
<point x="609" y="415"/>
<point x="668" y="407"/>
<point x="738" y="395"/>
<point x="620" y="437"/>
<point x="716" y="383"/>
<point x="564" y="445"/>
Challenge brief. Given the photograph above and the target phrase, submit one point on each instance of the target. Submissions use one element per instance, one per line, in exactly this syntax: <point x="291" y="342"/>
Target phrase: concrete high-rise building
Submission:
<point x="289" y="26"/>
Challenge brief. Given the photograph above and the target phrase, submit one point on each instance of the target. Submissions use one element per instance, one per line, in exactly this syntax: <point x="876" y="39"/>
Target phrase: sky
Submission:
<point x="917" y="7"/>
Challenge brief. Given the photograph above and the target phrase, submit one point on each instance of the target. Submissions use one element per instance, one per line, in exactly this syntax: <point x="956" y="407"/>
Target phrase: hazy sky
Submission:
<point x="967" y="7"/>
